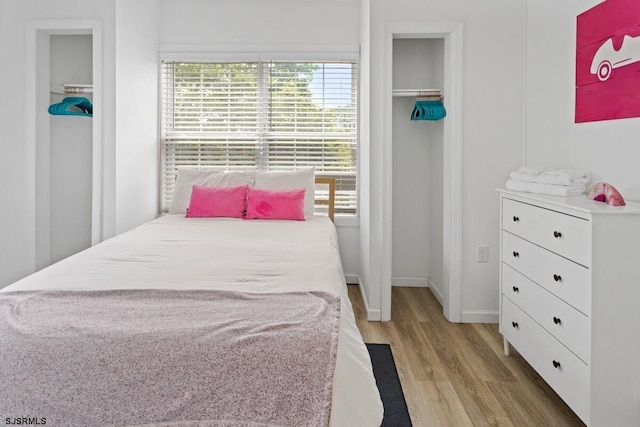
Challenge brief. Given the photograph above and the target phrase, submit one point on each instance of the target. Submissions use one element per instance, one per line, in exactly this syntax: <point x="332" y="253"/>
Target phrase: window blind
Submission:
<point x="261" y="115"/>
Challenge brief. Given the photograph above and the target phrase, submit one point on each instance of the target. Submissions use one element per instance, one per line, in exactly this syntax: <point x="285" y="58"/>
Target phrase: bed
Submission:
<point x="190" y="321"/>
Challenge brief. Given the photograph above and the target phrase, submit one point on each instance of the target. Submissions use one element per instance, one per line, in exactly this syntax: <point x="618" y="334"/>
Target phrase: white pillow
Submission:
<point x="187" y="178"/>
<point x="291" y="180"/>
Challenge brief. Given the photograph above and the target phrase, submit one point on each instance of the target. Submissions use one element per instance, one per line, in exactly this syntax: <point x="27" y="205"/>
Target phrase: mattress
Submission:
<point x="173" y="252"/>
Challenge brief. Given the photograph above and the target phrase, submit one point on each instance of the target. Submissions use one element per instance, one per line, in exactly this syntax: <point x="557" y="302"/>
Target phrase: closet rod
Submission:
<point x="417" y="92"/>
<point x="71" y="89"/>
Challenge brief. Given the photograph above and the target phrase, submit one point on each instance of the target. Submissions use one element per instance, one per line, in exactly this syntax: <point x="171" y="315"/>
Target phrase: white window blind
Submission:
<point x="261" y="115"/>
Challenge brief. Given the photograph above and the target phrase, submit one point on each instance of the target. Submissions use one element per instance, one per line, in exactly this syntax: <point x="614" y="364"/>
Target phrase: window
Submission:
<point x="261" y="115"/>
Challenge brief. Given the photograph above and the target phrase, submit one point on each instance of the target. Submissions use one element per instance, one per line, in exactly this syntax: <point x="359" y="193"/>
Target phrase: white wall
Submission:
<point x="417" y="63"/>
<point x="411" y="208"/>
<point x="15" y="262"/>
<point x="129" y="135"/>
<point x="492" y="129"/>
<point x="609" y="150"/>
<point x="137" y="135"/>
<point x="275" y="25"/>
<point x="68" y="179"/>
<point x="259" y="22"/>
<point x="131" y="34"/>
<point x="436" y="210"/>
<point x="366" y="266"/>
<point x="493" y="79"/>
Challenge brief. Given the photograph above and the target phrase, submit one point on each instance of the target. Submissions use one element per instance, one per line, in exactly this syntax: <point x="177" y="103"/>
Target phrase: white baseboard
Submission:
<point x="373" y="314"/>
<point x="436" y="292"/>
<point x="468" y="316"/>
<point x="480" y="317"/>
<point x="413" y="282"/>
<point x="352" y="279"/>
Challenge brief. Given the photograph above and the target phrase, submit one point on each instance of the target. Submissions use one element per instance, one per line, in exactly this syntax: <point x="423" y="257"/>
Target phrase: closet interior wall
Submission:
<point x="417" y="247"/>
<point x="64" y="152"/>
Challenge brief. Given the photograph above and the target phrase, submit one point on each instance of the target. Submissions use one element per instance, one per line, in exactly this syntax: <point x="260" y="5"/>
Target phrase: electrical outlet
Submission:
<point x="482" y="254"/>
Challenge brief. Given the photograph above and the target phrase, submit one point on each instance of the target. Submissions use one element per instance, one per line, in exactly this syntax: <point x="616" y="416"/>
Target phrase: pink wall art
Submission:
<point x="608" y="61"/>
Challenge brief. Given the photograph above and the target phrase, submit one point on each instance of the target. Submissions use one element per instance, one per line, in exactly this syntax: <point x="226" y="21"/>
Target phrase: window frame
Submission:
<point x="320" y="55"/>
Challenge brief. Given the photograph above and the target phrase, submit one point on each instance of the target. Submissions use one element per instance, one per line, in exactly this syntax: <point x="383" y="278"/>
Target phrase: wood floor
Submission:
<point x="456" y="374"/>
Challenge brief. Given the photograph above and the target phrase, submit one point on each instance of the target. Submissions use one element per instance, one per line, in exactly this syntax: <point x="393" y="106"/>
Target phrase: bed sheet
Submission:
<point x="173" y="252"/>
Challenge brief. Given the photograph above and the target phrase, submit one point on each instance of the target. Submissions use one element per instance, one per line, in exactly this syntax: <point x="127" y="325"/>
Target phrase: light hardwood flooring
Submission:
<point x="456" y="374"/>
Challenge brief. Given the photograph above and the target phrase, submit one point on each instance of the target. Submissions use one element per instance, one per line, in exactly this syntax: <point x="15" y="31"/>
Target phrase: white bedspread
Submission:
<point x="173" y="252"/>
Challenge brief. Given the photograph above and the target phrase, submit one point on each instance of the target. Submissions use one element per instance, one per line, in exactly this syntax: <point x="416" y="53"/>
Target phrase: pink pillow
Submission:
<point x="207" y="202"/>
<point x="270" y="204"/>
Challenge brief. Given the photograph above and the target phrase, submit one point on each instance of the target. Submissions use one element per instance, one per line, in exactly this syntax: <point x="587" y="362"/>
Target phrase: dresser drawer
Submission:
<point x="567" y="280"/>
<point x="564" y="372"/>
<point x="562" y="321"/>
<point x="563" y="234"/>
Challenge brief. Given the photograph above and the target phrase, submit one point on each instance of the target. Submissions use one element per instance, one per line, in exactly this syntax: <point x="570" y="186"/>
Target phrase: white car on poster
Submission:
<point x="607" y="58"/>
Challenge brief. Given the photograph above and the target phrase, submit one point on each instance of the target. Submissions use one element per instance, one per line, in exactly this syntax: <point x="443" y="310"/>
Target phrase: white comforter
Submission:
<point x="173" y="252"/>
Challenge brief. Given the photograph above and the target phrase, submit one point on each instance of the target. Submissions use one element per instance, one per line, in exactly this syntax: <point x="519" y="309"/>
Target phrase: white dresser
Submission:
<point x="570" y="299"/>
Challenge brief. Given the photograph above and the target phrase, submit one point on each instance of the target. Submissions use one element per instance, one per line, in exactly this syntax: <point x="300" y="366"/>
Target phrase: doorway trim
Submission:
<point x="452" y="33"/>
<point x="37" y="86"/>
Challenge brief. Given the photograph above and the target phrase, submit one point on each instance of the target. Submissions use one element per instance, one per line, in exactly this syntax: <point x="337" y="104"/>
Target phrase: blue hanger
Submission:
<point x="72" y="106"/>
<point x="428" y="110"/>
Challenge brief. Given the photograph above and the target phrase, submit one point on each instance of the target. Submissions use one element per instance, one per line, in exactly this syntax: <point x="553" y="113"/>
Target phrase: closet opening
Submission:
<point x="68" y="156"/>
<point x="422" y="171"/>
<point x="418" y="66"/>
<point x="64" y="144"/>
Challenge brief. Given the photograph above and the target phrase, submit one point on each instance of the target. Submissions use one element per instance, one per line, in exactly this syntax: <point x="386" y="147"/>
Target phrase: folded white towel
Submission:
<point x="528" y="171"/>
<point x="564" y="177"/>
<point x="556" y="177"/>
<point x="539" y="188"/>
<point x="522" y="176"/>
<point x="570" y="172"/>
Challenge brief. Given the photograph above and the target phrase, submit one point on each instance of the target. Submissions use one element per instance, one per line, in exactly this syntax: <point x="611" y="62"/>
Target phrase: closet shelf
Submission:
<point x="71" y="89"/>
<point x="417" y="92"/>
